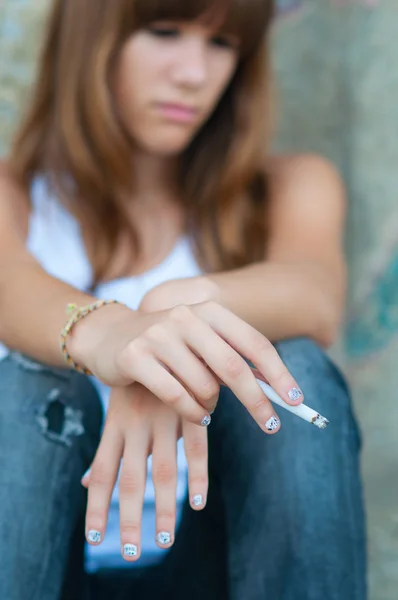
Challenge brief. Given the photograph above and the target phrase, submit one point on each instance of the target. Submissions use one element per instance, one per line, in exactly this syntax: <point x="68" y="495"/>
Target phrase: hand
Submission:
<point x="181" y="355"/>
<point x="137" y="425"/>
<point x="191" y="290"/>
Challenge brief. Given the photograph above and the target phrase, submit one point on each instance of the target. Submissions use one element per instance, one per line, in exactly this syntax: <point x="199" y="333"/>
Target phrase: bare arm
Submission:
<point x="32" y="303"/>
<point x="300" y="288"/>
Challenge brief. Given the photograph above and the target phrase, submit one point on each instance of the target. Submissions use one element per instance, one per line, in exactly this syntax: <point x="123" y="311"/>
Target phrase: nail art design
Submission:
<point x="94" y="536"/>
<point x="206" y="421"/>
<point x="130" y="550"/>
<point x="272" y="424"/>
<point x="163" y="537"/>
<point x="294" y="394"/>
<point x="197" y="500"/>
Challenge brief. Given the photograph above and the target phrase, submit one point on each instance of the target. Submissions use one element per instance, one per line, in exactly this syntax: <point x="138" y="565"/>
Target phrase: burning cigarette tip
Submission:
<point x="320" y="422"/>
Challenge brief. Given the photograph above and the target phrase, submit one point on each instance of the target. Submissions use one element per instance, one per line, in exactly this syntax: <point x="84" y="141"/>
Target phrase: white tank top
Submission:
<point x="55" y="240"/>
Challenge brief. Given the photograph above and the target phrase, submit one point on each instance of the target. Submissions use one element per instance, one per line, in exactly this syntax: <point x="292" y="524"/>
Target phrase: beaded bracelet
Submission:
<point x="80" y="313"/>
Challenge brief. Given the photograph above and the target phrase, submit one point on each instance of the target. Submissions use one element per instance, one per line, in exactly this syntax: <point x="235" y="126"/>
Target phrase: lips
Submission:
<point x="180" y="113"/>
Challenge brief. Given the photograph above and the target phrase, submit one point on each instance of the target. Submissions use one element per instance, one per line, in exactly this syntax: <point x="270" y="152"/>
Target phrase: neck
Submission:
<point x="155" y="179"/>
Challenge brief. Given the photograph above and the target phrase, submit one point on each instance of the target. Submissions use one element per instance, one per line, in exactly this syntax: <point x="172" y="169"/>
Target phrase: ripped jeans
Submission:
<point x="284" y="519"/>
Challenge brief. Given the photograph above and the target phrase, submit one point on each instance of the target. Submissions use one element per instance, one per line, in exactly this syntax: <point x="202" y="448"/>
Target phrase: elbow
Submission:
<point x="329" y="325"/>
<point x="330" y="308"/>
<point x="326" y="337"/>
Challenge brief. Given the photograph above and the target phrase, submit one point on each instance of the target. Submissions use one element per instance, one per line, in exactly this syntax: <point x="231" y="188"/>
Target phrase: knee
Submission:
<point x="315" y="461"/>
<point x="325" y="390"/>
<point x="320" y="379"/>
<point x="305" y="357"/>
<point x="298" y="444"/>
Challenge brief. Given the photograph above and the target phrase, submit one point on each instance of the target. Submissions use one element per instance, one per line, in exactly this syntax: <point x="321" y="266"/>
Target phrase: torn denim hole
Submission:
<point x="59" y="422"/>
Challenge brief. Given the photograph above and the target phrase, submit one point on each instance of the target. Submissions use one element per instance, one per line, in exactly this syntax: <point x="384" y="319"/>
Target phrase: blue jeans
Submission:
<point x="284" y="519"/>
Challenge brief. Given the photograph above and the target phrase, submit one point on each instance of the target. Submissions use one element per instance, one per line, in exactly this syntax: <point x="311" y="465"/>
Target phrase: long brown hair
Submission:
<point x="71" y="132"/>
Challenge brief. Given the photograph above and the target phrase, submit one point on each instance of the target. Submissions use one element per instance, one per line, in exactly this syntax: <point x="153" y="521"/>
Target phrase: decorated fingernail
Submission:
<point x="206" y="421"/>
<point x="94" y="536"/>
<point x="272" y="423"/>
<point x="163" y="537"/>
<point x="197" y="500"/>
<point x="130" y="550"/>
<point x="295" y="394"/>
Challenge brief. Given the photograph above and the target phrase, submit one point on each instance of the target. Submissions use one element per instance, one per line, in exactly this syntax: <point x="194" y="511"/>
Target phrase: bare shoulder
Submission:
<point x="306" y="214"/>
<point x="302" y="164"/>
<point x="306" y="180"/>
<point x="14" y="202"/>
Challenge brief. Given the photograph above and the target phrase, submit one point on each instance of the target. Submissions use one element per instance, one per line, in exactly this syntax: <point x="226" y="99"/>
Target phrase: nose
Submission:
<point x="191" y="69"/>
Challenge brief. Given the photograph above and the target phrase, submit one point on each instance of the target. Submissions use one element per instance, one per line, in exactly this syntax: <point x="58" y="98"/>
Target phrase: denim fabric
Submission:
<point x="50" y="421"/>
<point x="284" y="520"/>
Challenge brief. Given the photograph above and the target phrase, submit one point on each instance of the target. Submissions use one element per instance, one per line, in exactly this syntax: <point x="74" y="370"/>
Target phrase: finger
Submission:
<point x="164" y="476"/>
<point x="190" y="369"/>
<point x="132" y="485"/>
<point x="147" y="371"/>
<point x="102" y="479"/>
<point x="196" y="452"/>
<point x="250" y="343"/>
<point x="233" y="370"/>
<point x="255" y="372"/>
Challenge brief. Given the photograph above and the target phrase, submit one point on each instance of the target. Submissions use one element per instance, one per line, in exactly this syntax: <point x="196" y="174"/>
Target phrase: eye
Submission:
<point x="163" y="31"/>
<point x="222" y="41"/>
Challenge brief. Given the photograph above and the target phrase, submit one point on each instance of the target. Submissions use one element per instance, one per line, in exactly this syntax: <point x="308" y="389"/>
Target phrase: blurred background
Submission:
<point x="336" y="65"/>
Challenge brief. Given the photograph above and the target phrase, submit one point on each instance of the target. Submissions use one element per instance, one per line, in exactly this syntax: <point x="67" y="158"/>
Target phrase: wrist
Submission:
<point x="179" y="291"/>
<point x="211" y="288"/>
<point x="88" y="333"/>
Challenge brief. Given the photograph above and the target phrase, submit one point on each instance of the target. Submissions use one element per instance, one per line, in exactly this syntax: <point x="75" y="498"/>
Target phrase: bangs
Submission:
<point x="248" y="20"/>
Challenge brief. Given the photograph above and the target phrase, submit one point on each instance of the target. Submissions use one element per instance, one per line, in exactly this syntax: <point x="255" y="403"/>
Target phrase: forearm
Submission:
<point x="33" y="311"/>
<point x="283" y="300"/>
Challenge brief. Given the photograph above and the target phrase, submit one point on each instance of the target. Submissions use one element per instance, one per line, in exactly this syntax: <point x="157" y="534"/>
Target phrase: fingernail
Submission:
<point x="272" y="423"/>
<point x="130" y="550"/>
<point x="163" y="537"/>
<point x="206" y="421"/>
<point x="295" y="394"/>
<point x="94" y="536"/>
<point x="197" y="500"/>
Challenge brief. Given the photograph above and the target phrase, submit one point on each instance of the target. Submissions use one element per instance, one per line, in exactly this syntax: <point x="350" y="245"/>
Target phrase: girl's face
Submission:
<point x="169" y="79"/>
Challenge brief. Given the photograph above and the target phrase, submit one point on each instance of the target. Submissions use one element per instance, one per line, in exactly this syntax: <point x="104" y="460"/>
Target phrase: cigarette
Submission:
<point x="302" y="411"/>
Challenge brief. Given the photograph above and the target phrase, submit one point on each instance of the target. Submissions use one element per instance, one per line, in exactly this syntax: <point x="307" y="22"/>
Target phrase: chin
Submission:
<point x="167" y="147"/>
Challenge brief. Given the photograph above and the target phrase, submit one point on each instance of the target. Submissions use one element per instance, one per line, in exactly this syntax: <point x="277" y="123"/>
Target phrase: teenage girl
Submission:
<point x="139" y="193"/>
